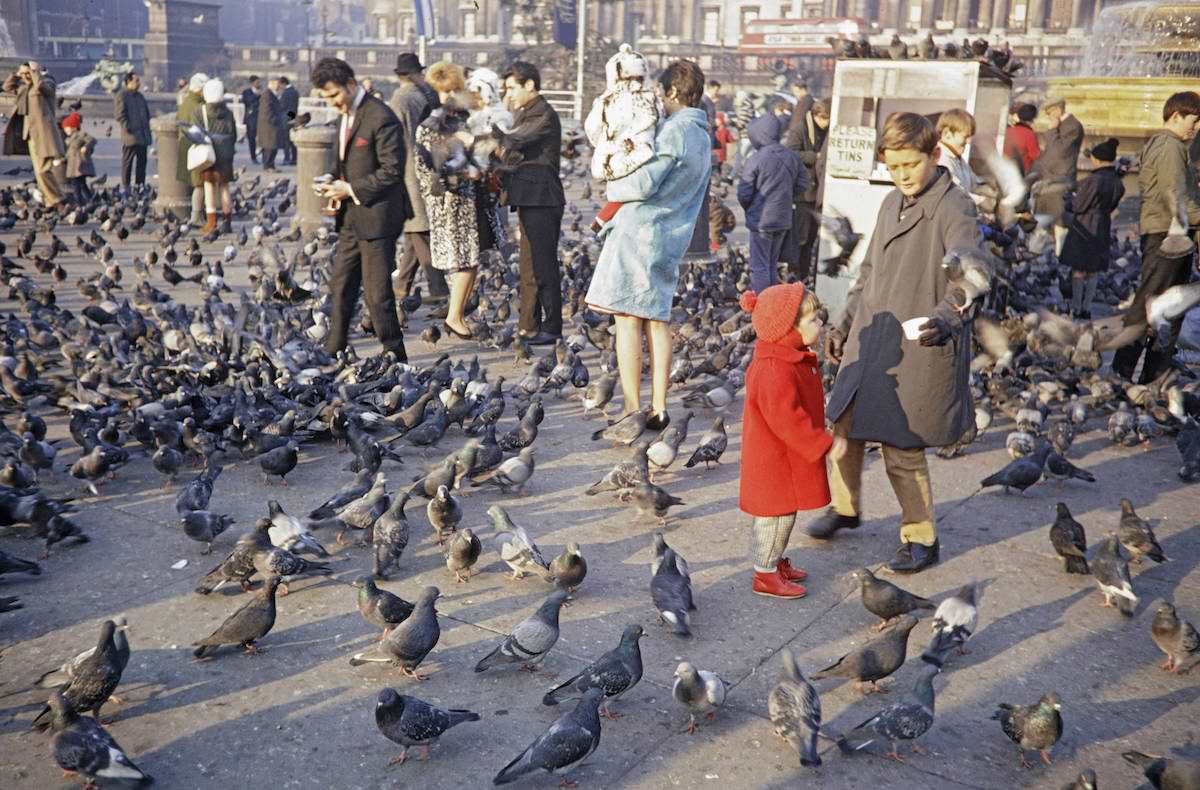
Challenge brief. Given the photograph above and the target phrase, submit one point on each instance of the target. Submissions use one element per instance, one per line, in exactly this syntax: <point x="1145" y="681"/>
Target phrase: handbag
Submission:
<point x="202" y="156"/>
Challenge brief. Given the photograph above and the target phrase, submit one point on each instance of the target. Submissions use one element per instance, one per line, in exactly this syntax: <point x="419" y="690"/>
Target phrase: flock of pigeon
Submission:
<point x="169" y="363"/>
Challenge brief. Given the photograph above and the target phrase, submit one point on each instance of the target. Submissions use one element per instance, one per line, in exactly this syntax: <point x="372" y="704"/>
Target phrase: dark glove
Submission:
<point x="934" y="332"/>
<point x="835" y="341"/>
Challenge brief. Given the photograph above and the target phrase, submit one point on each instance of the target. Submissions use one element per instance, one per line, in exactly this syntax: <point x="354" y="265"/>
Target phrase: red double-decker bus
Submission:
<point x="783" y="37"/>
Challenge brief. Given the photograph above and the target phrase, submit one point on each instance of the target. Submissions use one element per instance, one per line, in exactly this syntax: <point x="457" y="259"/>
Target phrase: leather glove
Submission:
<point x="835" y="341"/>
<point x="934" y="332"/>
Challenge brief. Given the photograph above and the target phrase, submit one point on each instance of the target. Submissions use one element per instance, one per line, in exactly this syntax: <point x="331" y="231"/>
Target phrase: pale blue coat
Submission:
<point x="638" y="269"/>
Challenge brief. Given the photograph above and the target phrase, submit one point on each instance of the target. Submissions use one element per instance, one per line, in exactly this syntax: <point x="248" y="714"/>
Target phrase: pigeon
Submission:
<point x="1069" y="541"/>
<point x="530" y="640"/>
<point x="287" y="566"/>
<point x="94" y="679"/>
<point x="410" y="642"/>
<point x="280" y="461"/>
<point x="379" y="607"/>
<point x="698" y="690"/>
<point x="1111" y="572"/>
<point x="389" y="538"/>
<point x="712" y="445"/>
<point x="598" y="394"/>
<point x="1176" y="638"/>
<point x="885" y="600"/>
<point x="875" y="660"/>
<point x="1037" y="726"/>
<point x="795" y="710"/>
<point x="569" y="569"/>
<point x="409" y="721"/>
<point x="625" y="474"/>
<point x="650" y="499"/>
<point x="11" y="564"/>
<point x="953" y="623"/>
<point x="250" y="622"/>
<point x="82" y="746"/>
<point x="1020" y="473"/>
<point x="197" y="492"/>
<point x="512" y="474"/>
<point x="665" y="448"/>
<point x="614" y="673"/>
<point x="1165" y="773"/>
<point x="204" y="526"/>
<point x="569" y="741"/>
<point x="660" y="551"/>
<point x="462" y="550"/>
<point x="901" y="721"/>
<point x="69" y="669"/>
<point x="288" y="533"/>
<point x="239" y="565"/>
<point x="516" y="548"/>
<point x="1137" y="537"/>
<point x="671" y="592"/>
<point x="1085" y="781"/>
<point x="352" y="491"/>
<point x="1059" y="468"/>
<point x="625" y="430"/>
<point x="444" y="514"/>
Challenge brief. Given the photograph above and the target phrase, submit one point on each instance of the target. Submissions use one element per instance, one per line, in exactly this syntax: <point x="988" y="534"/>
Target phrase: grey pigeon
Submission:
<point x="531" y="639"/>
<point x="875" y="660"/>
<point x="650" y="499"/>
<point x="1037" y="726"/>
<point x="513" y="474"/>
<point x="569" y="569"/>
<point x="599" y="393"/>
<point x="901" y="721"/>
<point x="795" y="710"/>
<point x="671" y="592"/>
<point x="239" y="565"/>
<point x="389" y="538"/>
<point x="350" y="492"/>
<point x="94" y="680"/>
<point x="287" y="566"/>
<point x="11" y="564"/>
<point x="1176" y="638"/>
<point x="81" y="746"/>
<point x="1059" y="468"/>
<point x="69" y="669"/>
<point x="379" y="607"/>
<point x="204" y="526"/>
<point x="287" y="532"/>
<point x="250" y="622"/>
<point x="614" y="673"/>
<point x="712" y="445"/>
<point x="1021" y="473"/>
<point x="462" y="550"/>
<point x="197" y="492"/>
<point x="1165" y="773"/>
<point x="515" y="546"/>
<point x="409" y="721"/>
<point x="1137" y="537"/>
<point x="663" y="450"/>
<point x="1069" y="541"/>
<point x="625" y="430"/>
<point x="884" y="599"/>
<point x="1085" y="781"/>
<point x="698" y="690"/>
<point x="569" y="741"/>
<point x="444" y="513"/>
<point x="280" y="461"/>
<point x="410" y="642"/>
<point x="625" y="474"/>
<point x="953" y="623"/>
<point x="1111" y="572"/>
<point x="660" y="551"/>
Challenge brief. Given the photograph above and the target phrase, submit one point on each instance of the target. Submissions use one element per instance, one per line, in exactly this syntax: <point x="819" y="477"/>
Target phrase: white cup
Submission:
<point x="912" y="326"/>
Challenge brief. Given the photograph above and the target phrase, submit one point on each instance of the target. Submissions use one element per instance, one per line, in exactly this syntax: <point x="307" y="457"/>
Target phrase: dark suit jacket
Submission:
<point x="532" y="150"/>
<point x="374" y="166"/>
<point x="1060" y="151"/>
<point x="249" y="107"/>
<point x="289" y="99"/>
<point x="272" y="127"/>
<point x="133" y="114"/>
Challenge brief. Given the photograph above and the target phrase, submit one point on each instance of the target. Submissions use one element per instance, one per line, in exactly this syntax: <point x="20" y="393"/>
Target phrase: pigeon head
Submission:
<point x="660" y="543"/>
<point x="364" y="582"/>
<point x="1050" y="700"/>
<point x="632" y="634"/>
<point x="685" y="670"/>
<point x="574" y="550"/>
<point x="262" y="525"/>
<point x="428" y="596"/>
<point x="63" y="712"/>
<point x="389" y="698"/>
<point x="791" y="670"/>
<point x="274" y="508"/>
<point x="1165" y="609"/>
<point x="107" y="629"/>
<point x="862" y="576"/>
<point x="270" y="585"/>
<point x="593" y="696"/>
<point x="1063" y="510"/>
<point x="443" y="493"/>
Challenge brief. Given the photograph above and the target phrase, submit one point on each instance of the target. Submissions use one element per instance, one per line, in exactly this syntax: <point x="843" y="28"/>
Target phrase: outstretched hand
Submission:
<point x="934" y="332"/>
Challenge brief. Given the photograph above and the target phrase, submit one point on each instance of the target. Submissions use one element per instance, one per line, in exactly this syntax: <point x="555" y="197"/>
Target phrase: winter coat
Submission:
<point x="806" y="139"/>
<point x="184" y="114"/>
<point x="1060" y="151"/>
<point x="1088" y="246"/>
<point x="411" y="106"/>
<point x="36" y="104"/>
<point x="80" y="147"/>
<point x="222" y="128"/>
<point x="773" y="178"/>
<point x="638" y="269"/>
<point x="1021" y="145"/>
<point x="784" y="441"/>
<point x="271" y="130"/>
<point x="289" y="103"/>
<point x="1165" y="169"/>
<point x="908" y="395"/>
<point x="621" y="128"/>
<point x="133" y="116"/>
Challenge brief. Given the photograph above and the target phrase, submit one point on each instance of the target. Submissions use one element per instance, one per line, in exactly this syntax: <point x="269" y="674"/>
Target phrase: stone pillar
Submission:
<point x="1035" y="17"/>
<point x="1000" y="17"/>
<point x="927" y="15"/>
<point x="983" y="20"/>
<point x="895" y="15"/>
<point x="314" y="157"/>
<point x="173" y="195"/>
<point x="962" y="17"/>
<point x="1076" y="16"/>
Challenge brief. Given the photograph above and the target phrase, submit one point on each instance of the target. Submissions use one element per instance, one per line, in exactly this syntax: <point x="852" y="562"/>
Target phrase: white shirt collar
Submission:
<point x="358" y="99"/>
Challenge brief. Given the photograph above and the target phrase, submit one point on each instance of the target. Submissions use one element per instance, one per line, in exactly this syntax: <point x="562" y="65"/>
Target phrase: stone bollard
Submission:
<point x="314" y="157"/>
<point x="173" y="194"/>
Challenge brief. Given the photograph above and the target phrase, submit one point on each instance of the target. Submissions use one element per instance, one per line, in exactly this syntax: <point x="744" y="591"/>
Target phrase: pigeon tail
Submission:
<point x="514" y="770"/>
<point x="1077" y="565"/>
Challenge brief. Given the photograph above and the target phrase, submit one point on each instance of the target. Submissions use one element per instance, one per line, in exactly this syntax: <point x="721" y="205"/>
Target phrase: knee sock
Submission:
<point x="770" y="538"/>
<point x="1089" y="293"/>
<point x="1076" y="294"/>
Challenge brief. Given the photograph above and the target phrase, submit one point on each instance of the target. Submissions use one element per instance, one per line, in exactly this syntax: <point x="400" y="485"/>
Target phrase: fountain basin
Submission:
<point x="1128" y="108"/>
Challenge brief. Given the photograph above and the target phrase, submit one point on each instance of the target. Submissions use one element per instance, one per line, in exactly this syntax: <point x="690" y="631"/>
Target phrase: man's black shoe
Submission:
<point x="830" y="522"/>
<point x="541" y="339"/>
<point x="914" y="558"/>
<point x="658" y="422"/>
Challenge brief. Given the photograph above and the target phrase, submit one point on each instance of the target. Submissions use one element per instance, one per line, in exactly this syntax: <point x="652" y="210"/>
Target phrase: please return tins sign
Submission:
<point x="851" y="152"/>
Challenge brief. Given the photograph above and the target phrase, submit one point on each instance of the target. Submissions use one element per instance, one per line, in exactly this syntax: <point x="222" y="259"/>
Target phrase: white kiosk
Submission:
<point x="865" y="92"/>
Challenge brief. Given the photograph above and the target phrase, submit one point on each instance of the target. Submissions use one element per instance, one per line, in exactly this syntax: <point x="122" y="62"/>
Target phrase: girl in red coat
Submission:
<point x="784" y="442"/>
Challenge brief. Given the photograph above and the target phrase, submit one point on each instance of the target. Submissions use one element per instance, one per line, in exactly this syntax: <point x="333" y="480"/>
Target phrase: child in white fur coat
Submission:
<point x="622" y="123"/>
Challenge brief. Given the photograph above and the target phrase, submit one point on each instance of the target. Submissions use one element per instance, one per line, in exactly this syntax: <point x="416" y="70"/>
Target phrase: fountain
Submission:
<point x="1142" y="53"/>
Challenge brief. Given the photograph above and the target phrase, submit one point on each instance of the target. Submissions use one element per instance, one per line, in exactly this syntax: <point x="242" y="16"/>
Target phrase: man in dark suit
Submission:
<point x="372" y="206"/>
<point x="289" y="100"/>
<point x="530" y="152"/>
<point x="250" y="115"/>
<point x="133" y="115"/>
<point x="272" y="127"/>
<point x="1058" y="165"/>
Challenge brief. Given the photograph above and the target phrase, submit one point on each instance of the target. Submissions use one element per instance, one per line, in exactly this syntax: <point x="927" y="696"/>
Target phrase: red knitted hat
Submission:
<point x="72" y="121"/>
<point x="773" y="312"/>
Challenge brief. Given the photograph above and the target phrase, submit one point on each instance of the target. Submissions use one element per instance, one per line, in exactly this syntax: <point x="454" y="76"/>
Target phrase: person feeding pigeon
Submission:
<point x="914" y="392"/>
<point x="784" y="442"/>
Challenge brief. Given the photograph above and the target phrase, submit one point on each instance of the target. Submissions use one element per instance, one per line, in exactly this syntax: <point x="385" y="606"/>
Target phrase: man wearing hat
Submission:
<point x="192" y="101"/>
<point x="1057" y="165"/>
<point x="412" y="102"/>
<point x="40" y="136"/>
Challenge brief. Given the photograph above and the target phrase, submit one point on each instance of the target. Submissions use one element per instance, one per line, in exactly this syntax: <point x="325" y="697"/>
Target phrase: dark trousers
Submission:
<point x="764" y="254"/>
<point x="416" y="253"/>
<point x="133" y="165"/>
<point x="364" y="264"/>
<point x="268" y="157"/>
<point x="80" y="188"/>
<point x="252" y="139"/>
<point x="541" y="277"/>
<point x="804" y="225"/>
<point x="1158" y="274"/>
<point x="289" y="152"/>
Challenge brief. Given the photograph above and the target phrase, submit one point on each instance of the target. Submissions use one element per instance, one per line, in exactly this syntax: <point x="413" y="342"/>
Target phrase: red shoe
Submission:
<point x="773" y="585"/>
<point x="789" y="573"/>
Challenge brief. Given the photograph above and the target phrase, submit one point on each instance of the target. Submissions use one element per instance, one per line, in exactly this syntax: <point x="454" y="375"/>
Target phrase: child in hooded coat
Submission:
<point x="784" y="441"/>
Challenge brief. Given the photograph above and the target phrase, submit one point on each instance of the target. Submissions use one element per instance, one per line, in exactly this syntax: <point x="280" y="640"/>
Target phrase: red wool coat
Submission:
<point x="784" y="442"/>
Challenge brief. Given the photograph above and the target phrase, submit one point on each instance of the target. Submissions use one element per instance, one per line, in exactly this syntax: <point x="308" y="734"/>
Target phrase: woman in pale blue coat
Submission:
<point x="638" y="270"/>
